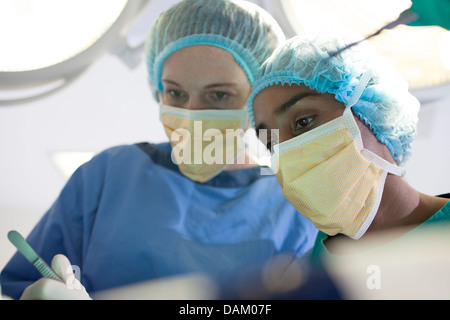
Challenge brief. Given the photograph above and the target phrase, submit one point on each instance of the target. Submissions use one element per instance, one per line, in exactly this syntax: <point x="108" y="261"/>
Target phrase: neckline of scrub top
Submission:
<point x="319" y="249"/>
<point x="160" y="154"/>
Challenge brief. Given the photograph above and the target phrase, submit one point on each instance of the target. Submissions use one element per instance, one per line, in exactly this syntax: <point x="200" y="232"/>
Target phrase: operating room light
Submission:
<point x="36" y="34"/>
<point x="420" y="54"/>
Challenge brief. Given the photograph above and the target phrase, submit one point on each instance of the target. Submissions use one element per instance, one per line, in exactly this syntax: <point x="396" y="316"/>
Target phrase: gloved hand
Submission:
<point x="49" y="289"/>
<point x="431" y="13"/>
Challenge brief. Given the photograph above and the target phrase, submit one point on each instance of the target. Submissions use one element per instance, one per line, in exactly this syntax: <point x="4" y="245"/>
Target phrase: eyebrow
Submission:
<point x="285" y="106"/>
<point x="224" y="84"/>
<point x="209" y="86"/>
<point x="170" y="81"/>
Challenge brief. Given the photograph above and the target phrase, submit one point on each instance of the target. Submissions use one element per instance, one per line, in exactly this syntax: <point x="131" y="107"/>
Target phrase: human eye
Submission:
<point x="174" y="97"/>
<point x="219" y="95"/>
<point x="175" y="93"/>
<point x="303" y="122"/>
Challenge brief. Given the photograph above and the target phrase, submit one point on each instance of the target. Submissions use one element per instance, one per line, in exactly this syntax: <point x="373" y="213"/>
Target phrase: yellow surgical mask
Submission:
<point x="204" y="142"/>
<point x="328" y="176"/>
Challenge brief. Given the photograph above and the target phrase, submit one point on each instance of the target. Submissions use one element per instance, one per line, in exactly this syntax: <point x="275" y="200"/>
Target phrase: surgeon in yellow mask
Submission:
<point x="201" y="74"/>
<point x="202" y="110"/>
<point x="345" y="127"/>
<point x="193" y="204"/>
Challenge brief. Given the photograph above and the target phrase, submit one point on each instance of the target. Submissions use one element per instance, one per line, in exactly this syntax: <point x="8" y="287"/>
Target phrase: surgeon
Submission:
<point x="345" y="129"/>
<point x="145" y="211"/>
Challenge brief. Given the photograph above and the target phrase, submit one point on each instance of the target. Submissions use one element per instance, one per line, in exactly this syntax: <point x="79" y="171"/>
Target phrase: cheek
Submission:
<point x="368" y="137"/>
<point x="285" y="136"/>
<point x="284" y="131"/>
<point x="371" y="142"/>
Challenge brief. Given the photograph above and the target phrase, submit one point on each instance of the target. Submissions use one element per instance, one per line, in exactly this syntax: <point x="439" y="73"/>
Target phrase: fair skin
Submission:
<point x="296" y="109"/>
<point x="205" y="77"/>
<point x="196" y="77"/>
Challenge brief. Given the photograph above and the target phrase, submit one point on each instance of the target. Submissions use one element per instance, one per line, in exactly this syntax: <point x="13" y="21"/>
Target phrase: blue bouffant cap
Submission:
<point x="385" y="104"/>
<point x="240" y="27"/>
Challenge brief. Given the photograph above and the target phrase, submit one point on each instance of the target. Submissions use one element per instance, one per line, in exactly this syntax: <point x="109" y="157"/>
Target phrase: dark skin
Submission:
<point x="296" y="109"/>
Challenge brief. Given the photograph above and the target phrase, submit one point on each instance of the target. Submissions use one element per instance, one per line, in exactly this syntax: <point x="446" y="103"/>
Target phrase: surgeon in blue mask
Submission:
<point x="140" y="212"/>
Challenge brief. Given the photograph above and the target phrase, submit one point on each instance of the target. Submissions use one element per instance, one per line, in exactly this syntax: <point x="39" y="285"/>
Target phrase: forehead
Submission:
<point x="269" y="99"/>
<point x="202" y="60"/>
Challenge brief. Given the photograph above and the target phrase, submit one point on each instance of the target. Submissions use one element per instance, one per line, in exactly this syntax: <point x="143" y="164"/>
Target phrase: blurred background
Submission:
<point x="73" y="82"/>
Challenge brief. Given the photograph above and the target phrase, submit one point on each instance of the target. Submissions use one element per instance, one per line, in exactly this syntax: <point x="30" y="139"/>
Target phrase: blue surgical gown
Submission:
<point x="129" y="215"/>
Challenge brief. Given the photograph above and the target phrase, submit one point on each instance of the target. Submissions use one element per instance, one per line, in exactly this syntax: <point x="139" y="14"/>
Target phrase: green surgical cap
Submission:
<point x="385" y="104"/>
<point x="242" y="28"/>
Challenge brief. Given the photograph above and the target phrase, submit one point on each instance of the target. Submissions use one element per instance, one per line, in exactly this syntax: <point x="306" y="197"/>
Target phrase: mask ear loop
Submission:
<point x="363" y="81"/>
<point x="348" y="116"/>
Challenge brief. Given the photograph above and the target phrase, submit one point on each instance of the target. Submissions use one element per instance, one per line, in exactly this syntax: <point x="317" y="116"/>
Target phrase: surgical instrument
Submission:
<point x="405" y="17"/>
<point x="30" y="254"/>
